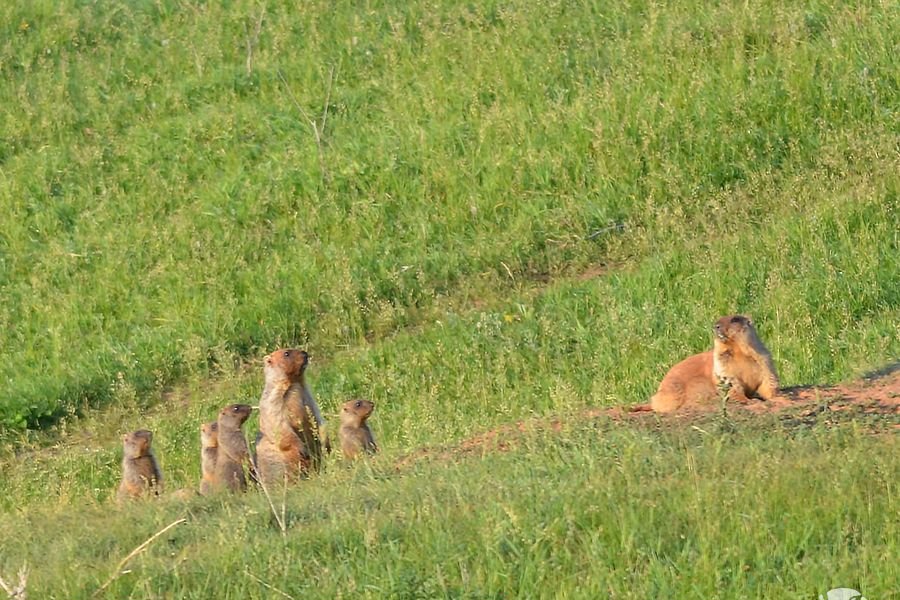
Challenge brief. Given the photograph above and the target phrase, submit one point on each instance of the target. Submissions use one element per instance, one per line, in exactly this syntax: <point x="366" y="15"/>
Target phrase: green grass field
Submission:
<point x="471" y="213"/>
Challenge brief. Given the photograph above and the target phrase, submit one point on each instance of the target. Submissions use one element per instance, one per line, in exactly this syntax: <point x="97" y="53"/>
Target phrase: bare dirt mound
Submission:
<point x="876" y="395"/>
<point x="875" y="399"/>
<point x="878" y="392"/>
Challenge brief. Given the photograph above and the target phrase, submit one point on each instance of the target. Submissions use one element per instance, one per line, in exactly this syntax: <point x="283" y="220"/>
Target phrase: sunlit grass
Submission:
<point x="594" y="509"/>
<point x="470" y="214"/>
<point x="168" y="206"/>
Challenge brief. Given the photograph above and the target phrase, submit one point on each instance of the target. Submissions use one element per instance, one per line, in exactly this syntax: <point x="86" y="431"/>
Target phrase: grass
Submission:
<point x="168" y="210"/>
<point x="471" y="214"/>
<point x="671" y="513"/>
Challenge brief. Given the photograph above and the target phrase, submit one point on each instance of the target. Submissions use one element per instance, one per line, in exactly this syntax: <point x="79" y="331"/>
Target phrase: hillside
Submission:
<point x="473" y="214"/>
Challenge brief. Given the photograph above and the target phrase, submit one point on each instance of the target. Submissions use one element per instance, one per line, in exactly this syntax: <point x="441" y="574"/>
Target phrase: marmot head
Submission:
<point x="356" y="411"/>
<point x="137" y="443"/>
<point x="234" y="415"/>
<point x="728" y="328"/>
<point x="287" y="362"/>
<point x="209" y="435"/>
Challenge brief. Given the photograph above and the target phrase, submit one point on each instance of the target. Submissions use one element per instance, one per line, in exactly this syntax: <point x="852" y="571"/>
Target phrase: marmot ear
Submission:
<point x="749" y="320"/>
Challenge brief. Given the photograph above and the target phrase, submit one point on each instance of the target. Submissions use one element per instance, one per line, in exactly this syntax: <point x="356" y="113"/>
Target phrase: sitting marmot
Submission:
<point x="355" y="434"/>
<point x="738" y="360"/>
<point x="141" y="475"/>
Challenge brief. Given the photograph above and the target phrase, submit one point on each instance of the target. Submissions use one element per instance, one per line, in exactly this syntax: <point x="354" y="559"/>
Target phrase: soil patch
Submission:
<point x="873" y="401"/>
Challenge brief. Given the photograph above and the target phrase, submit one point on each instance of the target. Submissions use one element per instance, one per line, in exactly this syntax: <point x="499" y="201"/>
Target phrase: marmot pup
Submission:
<point x="355" y="434"/>
<point x="233" y="453"/>
<point x="140" y="472"/>
<point x="209" y="450"/>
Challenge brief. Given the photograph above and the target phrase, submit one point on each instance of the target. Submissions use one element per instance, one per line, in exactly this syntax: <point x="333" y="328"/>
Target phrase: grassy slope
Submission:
<point x="429" y="261"/>
<point x="167" y="210"/>
<point x="588" y="512"/>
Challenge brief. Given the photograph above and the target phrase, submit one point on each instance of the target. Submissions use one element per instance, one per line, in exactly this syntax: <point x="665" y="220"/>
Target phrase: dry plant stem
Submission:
<point x="278" y="518"/>
<point x="300" y="108"/>
<point x="318" y="129"/>
<point x="252" y="42"/>
<point x="602" y="230"/>
<point x="283" y="501"/>
<point x="251" y="466"/>
<point x="118" y="570"/>
<point x="267" y="585"/>
<point x="327" y="98"/>
<point x="18" y="592"/>
<point x="508" y="271"/>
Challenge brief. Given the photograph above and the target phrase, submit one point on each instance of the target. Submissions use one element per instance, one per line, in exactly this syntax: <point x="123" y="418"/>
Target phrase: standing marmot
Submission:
<point x="292" y="430"/>
<point x="233" y="453"/>
<point x="209" y="450"/>
<point x="741" y="361"/>
<point x="355" y="434"/>
<point x="140" y="471"/>
<point x="738" y="360"/>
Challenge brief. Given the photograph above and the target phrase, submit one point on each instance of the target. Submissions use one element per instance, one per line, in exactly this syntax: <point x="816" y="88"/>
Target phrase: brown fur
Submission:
<point x="292" y="432"/>
<point x="741" y="361"/>
<point x="355" y="434"/>
<point x="209" y="451"/>
<point x="738" y="361"/>
<point x="141" y="475"/>
<point x="233" y="453"/>
<point x="689" y="384"/>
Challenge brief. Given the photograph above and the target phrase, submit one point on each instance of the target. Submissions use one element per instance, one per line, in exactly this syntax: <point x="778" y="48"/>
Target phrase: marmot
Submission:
<point x="232" y="452"/>
<point x="209" y="450"/>
<point x="688" y="384"/>
<point x="140" y="471"/>
<point x="292" y="430"/>
<point x="355" y="434"/>
<point x="739" y="361"/>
